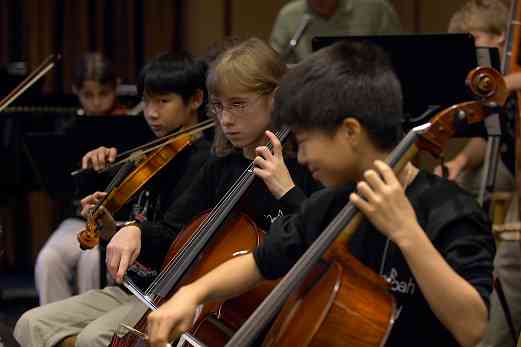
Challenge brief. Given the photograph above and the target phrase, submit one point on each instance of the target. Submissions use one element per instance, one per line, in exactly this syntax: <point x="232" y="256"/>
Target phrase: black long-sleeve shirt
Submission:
<point x="211" y="183"/>
<point x="453" y="221"/>
<point x="162" y="190"/>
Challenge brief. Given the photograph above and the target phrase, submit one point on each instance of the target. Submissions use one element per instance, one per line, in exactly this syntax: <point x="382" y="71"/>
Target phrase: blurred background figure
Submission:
<point x="302" y="20"/>
<point x="62" y="268"/>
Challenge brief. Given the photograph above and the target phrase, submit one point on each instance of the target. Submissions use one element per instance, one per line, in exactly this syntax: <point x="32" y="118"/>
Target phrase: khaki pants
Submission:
<point x="93" y="316"/>
<point x="61" y="260"/>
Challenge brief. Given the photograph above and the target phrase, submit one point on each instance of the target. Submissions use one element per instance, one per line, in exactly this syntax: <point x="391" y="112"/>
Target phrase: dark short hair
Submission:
<point x="94" y="66"/>
<point x="177" y="73"/>
<point x="344" y="80"/>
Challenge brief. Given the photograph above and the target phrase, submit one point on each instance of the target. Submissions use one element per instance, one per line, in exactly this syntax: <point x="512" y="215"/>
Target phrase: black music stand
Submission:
<point x="53" y="155"/>
<point x="432" y="69"/>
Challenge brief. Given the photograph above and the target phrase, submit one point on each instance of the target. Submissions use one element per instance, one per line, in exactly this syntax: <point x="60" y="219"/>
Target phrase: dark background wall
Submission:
<point x="131" y="31"/>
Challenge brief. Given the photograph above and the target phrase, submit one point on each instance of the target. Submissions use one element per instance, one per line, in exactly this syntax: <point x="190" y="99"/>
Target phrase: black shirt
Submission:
<point x="162" y="190"/>
<point x="212" y="182"/>
<point x="453" y="221"/>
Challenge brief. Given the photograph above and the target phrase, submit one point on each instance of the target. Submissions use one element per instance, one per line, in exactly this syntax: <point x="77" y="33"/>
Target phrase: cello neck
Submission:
<point x="347" y="218"/>
<point x="174" y="271"/>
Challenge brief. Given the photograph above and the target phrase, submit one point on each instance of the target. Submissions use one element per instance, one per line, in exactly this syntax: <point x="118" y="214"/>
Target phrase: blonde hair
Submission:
<point x="488" y="16"/>
<point x="250" y="66"/>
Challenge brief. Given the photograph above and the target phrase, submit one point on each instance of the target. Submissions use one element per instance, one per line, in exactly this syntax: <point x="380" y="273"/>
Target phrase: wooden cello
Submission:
<point x="130" y="179"/>
<point x="208" y="241"/>
<point x="336" y="308"/>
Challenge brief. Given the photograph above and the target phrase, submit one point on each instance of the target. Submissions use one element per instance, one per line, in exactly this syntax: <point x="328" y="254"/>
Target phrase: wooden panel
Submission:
<point x="407" y="10"/>
<point x="39" y="19"/>
<point x="203" y="24"/>
<point x="159" y="18"/>
<point x="76" y="37"/>
<point x="435" y="15"/>
<point x="122" y="39"/>
<point x="254" y="18"/>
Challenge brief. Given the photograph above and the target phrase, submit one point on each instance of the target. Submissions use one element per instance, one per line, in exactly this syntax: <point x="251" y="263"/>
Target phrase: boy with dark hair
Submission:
<point x="174" y="92"/>
<point x="344" y="106"/>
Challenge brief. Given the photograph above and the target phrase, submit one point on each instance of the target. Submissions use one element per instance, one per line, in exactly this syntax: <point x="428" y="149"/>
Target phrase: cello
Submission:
<point x="489" y="85"/>
<point x="209" y="240"/>
<point x="337" y="308"/>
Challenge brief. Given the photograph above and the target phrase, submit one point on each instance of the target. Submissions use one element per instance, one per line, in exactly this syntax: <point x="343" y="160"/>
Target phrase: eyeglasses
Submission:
<point x="236" y="107"/>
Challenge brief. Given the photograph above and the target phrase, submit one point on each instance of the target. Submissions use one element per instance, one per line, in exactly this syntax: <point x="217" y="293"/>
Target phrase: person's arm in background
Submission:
<point x="470" y="157"/>
<point x="280" y="34"/>
<point x="513" y="81"/>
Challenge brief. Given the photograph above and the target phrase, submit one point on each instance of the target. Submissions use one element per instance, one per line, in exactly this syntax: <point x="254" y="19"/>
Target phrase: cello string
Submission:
<point x="215" y="213"/>
<point x="219" y="208"/>
<point x="208" y="222"/>
<point x="184" y="252"/>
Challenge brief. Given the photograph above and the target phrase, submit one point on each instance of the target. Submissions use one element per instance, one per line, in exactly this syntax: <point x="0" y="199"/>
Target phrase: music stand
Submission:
<point x="54" y="155"/>
<point x="432" y="69"/>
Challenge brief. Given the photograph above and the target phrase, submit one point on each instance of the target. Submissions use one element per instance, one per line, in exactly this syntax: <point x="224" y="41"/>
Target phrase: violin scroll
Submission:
<point x="89" y="237"/>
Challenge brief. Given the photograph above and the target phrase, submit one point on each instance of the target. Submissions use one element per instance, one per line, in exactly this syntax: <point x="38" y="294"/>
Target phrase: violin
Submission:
<point x="347" y="303"/>
<point x="136" y="172"/>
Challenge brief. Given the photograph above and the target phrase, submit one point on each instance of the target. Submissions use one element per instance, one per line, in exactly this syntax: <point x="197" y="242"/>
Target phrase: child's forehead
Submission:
<point x="231" y="91"/>
<point x="92" y="86"/>
<point x="150" y="94"/>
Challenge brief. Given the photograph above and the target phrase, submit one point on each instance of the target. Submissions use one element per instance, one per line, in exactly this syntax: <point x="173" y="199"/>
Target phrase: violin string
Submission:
<point x="184" y="252"/>
<point x="163" y="139"/>
<point x="215" y="213"/>
<point x="125" y="170"/>
<point x="162" y="144"/>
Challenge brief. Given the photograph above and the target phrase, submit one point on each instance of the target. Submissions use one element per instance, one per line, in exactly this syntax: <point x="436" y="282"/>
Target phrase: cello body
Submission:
<point x="216" y="322"/>
<point x="345" y="304"/>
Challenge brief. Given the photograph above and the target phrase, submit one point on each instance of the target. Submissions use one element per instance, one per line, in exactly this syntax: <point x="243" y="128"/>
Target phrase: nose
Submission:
<point x="226" y="118"/>
<point x="150" y="110"/>
<point x="96" y="101"/>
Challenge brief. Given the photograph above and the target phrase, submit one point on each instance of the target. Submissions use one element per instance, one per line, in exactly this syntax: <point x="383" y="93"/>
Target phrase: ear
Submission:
<point x="351" y="130"/>
<point x="197" y="99"/>
<point x="75" y="90"/>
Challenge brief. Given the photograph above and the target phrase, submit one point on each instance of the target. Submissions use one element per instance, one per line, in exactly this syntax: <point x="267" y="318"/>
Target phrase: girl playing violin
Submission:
<point x="425" y="235"/>
<point x="175" y="96"/>
<point x="95" y="84"/>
